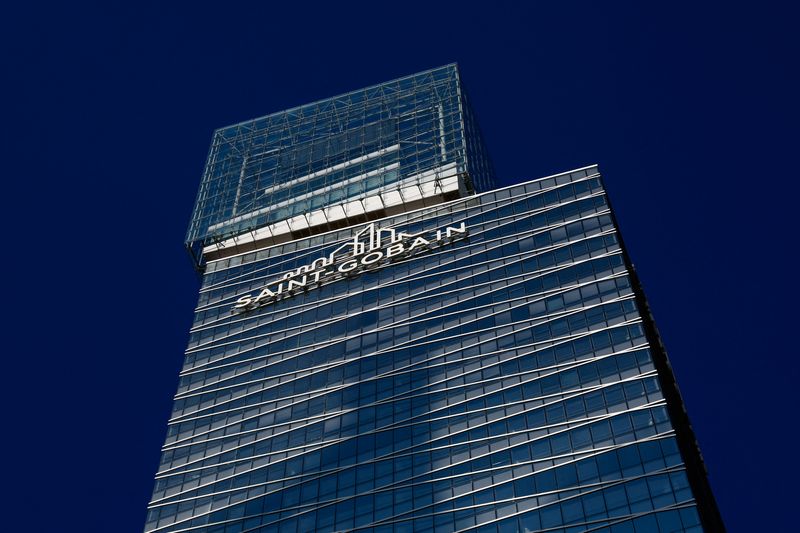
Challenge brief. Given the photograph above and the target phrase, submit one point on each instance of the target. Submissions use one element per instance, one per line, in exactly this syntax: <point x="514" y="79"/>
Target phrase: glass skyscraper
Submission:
<point x="385" y="342"/>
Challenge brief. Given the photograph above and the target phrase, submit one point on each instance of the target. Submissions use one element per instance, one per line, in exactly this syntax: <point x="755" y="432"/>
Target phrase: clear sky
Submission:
<point x="690" y="109"/>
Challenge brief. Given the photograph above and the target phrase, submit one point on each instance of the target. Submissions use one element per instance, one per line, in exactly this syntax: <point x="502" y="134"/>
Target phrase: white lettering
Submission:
<point x="395" y="250"/>
<point x="295" y="283"/>
<point x="266" y="293"/>
<point x="321" y="262"/>
<point x="242" y="302"/>
<point x="347" y="266"/>
<point x="419" y="241"/>
<point x="372" y="257"/>
<point x="461" y="229"/>
<point x="380" y="248"/>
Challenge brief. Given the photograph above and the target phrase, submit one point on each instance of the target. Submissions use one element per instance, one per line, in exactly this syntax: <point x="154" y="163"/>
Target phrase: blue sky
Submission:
<point x="690" y="110"/>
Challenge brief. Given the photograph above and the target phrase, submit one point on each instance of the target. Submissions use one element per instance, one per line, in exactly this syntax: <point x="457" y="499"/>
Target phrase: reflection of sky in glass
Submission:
<point x="503" y="382"/>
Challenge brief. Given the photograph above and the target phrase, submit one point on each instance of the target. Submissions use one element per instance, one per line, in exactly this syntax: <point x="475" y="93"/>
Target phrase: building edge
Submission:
<point x="696" y="470"/>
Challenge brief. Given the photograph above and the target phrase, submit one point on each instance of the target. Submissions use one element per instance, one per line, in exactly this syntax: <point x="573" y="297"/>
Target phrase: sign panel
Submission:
<point x="370" y="249"/>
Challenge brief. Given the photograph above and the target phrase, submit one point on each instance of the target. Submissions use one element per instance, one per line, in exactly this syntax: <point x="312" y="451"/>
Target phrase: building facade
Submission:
<point x="391" y="345"/>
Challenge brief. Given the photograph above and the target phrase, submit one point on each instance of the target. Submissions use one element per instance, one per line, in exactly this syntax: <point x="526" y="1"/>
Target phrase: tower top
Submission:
<point x="366" y="154"/>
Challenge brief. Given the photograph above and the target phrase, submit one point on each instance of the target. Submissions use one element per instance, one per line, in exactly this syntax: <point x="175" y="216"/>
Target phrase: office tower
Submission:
<point x="384" y="343"/>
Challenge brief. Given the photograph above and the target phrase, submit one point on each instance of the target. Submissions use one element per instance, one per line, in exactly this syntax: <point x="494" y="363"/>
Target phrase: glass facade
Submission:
<point x="505" y="376"/>
<point x="339" y="161"/>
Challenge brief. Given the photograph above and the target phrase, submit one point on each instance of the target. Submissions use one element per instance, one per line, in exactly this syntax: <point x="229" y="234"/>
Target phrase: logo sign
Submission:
<point x="370" y="249"/>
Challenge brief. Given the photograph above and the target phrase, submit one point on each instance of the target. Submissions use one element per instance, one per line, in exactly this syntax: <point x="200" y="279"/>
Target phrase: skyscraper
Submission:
<point x="383" y="342"/>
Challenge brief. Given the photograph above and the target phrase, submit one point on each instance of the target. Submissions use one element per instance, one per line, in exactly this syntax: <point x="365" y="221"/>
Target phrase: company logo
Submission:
<point x="370" y="249"/>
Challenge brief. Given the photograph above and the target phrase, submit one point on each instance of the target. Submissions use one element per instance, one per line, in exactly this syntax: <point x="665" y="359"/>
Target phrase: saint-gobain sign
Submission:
<point x="370" y="248"/>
